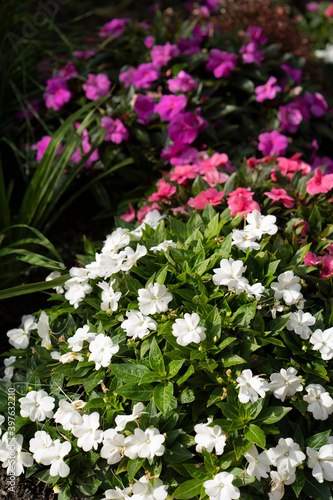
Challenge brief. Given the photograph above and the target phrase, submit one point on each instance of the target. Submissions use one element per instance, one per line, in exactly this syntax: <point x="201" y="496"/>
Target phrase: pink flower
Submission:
<point x="161" y="54"/>
<point x="221" y="63"/>
<point x="97" y="86"/>
<point x="267" y="91"/>
<point x="329" y="11"/>
<point x="144" y="106"/>
<point x="256" y="34"/>
<point x="289" y="166"/>
<point x="183" y="82"/>
<point x="141" y="214"/>
<point x="114" y="28"/>
<point x="188" y="47"/>
<point x="319" y="183"/>
<point x="240" y="201"/>
<point x="304" y="225"/>
<point x="180" y="154"/>
<point x="327" y="264"/>
<point x="217" y="160"/>
<point x="312" y="6"/>
<point x="116" y="132"/>
<point x="164" y="192"/>
<point x="295" y="74"/>
<point x="67" y="72"/>
<point x="213" y="177"/>
<point x="311" y="259"/>
<point x="85" y="148"/>
<point x="251" y="54"/>
<point x="185" y="128"/>
<point x="84" y="54"/>
<point x="273" y="142"/>
<point x="126" y="77"/>
<point x="41" y="146"/>
<point x="149" y="41"/>
<point x="290" y="117"/>
<point x="170" y="106"/>
<point x="211" y="196"/>
<point x="56" y="94"/>
<point x="129" y="215"/>
<point x="317" y="103"/>
<point x="330" y="248"/>
<point x="281" y="195"/>
<point x="180" y="210"/>
<point x="183" y="172"/>
<point x="145" y="75"/>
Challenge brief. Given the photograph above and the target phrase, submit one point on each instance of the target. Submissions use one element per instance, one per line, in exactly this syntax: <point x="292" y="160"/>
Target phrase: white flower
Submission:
<point x="117" y="494"/>
<point x="286" y="456"/>
<point x="326" y="54"/>
<point x="19" y="337"/>
<point x="105" y="265"/>
<point x="279" y="479"/>
<point x="77" y="289"/>
<point x="244" y="240"/>
<point x="320" y="402"/>
<point x="321" y="462"/>
<point x="87" y="432"/>
<point x="11" y="455"/>
<point x="251" y="387"/>
<point x="287" y="288"/>
<point x="259" y="465"/>
<point x="323" y="342"/>
<point x="153" y="219"/>
<point x="277" y="307"/>
<point x="37" y="405"/>
<point x="221" y="487"/>
<point x="76" y="341"/>
<point x="53" y="276"/>
<point x="67" y="413"/>
<point x="38" y="444"/>
<point x="137" y="325"/>
<point x="144" y="490"/>
<point x="122" y="420"/>
<point x="132" y="257"/>
<point x="260" y="224"/>
<point x="102" y="349"/>
<point x="9" y="370"/>
<point x="286" y="383"/>
<point x="162" y="247"/>
<point x="44" y="330"/>
<point x="110" y="298"/>
<point x="79" y="273"/>
<point x="299" y="322"/>
<point x="144" y="444"/>
<point x="68" y="357"/>
<point x="115" y="241"/>
<point x="54" y="456"/>
<point x="209" y="438"/>
<point x="187" y="330"/>
<point x="155" y="299"/>
<point x="113" y="446"/>
<point x="229" y="273"/>
<point x="255" y="290"/>
<point x="2" y="419"/>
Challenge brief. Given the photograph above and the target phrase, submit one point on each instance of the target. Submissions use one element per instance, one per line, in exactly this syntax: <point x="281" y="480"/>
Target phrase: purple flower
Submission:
<point x="170" y="106"/>
<point x="320" y="162"/>
<point x="126" y="77"/>
<point x="251" y="54"/>
<point x="312" y="6"/>
<point x="114" y="28"/>
<point x="161" y="54"/>
<point x="149" y="41"/>
<point x="97" y="86"/>
<point x="267" y="91"/>
<point x="295" y="74"/>
<point x="221" y="63"/>
<point x="290" y="117"/>
<point x="317" y="103"/>
<point x="303" y="106"/>
<point x="67" y="72"/>
<point x="273" y="143"/>
<point x="188" y="47"/>
<point x="256" y="34"/>
<point x="144" y="106"/>
<point x="85" y="148"/>
<point x="41" y="146"/>
<point x="185" y="127"/>
<point x="84" y="54"/>
<point x="57" y="93"/>
<point x="183" y="82"/>
<point x="116" y="132"/>
<point x="145" y="75"/>
<point x="180" y="154"/>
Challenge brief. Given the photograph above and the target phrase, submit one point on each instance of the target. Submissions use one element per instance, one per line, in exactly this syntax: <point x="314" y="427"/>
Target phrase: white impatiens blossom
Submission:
<point x="162" y="247"/>
<point x="19" y="337"/>
<point x="326" y="54"/>
<point x="229" y="273"/>
<point x="11" y="455"/>
<point x="37" y="405"/>
<point x="286" y="383"/>
<point x="187" y="330"/>
<point x="323" y="342"/>
<point x="221" y="487"/>
<point x="115" y="241"/>
<point x="81" y="335"/>
<point x="110" y="298"/>
<point x="105" y="265"/>
<point x="52" y="276"/>
<point x="113" y="446"/>
<point x="259" y="464"/>
<point x="299" y="322"/>
<point x="132" y="256"/>
<point x="118" y="494"/>
<point x="101" y="351"/>
<point x="137" y="325"/>
<point x="152" y="219"/>
<point x="320" y="402"/>
<point x="144" y="444"/>
<point x="68" y="357"/>
<point x="154" y="299"/>
<point x="122" y="420"/>
<point x="54" y="456"/>
<point x="144" y="490"/>
<point x="2" y="419"/>
<point x="279" y="479"/>
<point x="87" y="431"/>
<point x="44" y="330"/>
<point x="9" y="370"/>
<point x="286" y="456"/>
<point x="244" y="239"/>
<point x="321" y="462"/>
<point x="77" y="287"/>
<point x="251" y="387"/>
<point x="209" y="437"/>
<point x="287" y="288"/>
<point x="67" y="414"/>
<point x="38" y="444"/>
<point x="258" y="224"/>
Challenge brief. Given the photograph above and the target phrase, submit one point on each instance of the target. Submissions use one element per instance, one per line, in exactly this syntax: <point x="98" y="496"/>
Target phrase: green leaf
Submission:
<point x="298" y="485"/>
<point x="130" y="373"/>
<point x="196" y="472"/>
<point x="186" y="375"/>
<point x="272" y="414"/>
<point x="187" y="395"/>
<point x="213" y="325"/>
<point x="94" y="379"/>
<point x="244" y="314"/>
<point x="189" y="489"/>
<point x="315" y="490"/>
<point x="156" y="360"/>
<point x="150" y="377"/>
<point x="230" y="411"/>
<point x="179" y="229"/>
<point x="132" y="284"/>
<point x="318" y="440"/>
<point x="278" y="324"/>
<point x="254" y="434"/>
<point x="162" y="395"/>
<point x="174" y="367"/>
<point x="177" y="453"/>
<point x="89" y="485"/>
<point x="224" y="249"/>
<point x="232" y="360"/>
<point x="241" y="446"/>
<point x="133" y="466"/>
<point x="135" y="392"/>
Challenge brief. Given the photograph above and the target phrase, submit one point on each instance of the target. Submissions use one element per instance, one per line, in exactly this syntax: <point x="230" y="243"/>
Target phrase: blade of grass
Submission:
<point x="40" y="286"/>
<point x="5" y="216"/>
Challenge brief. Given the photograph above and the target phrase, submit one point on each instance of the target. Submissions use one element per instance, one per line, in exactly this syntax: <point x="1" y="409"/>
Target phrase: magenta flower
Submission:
<point x="145" y="75"/>
<point x="185" y="128"/>
<point x="97" y="86"/>
<point x="256" y="34"/>
<point x="211" y="196"/>
<point x="116" y="132"/>
<point x="319" y="183"/>
<point x="170" y="106"/>
<point x="327" y="265"/>
<point x="67" y="72"/>
<point x="214" y="177"/>
<point x="251" y="54"/>
<point x="281" y="195"/>
<point x="149" y="41"/>
<point x="84" y="54"/>
<point x="41" y="146"/>
<point x="318" y="161"/>
<point x="184" y="172"/>
<point x="129" y="215"/>
<point x="188" y="47"/>
<point x="303" y="106"/>
<point x="268" y="90"/>
<point x="161" y="54"/>
<point x="164" y="192"/>
<point x="114" y="28"/>
<point x="221" y="63"/>
<point x="57" y="93"/>
<point x="273" y="143"/>
<point x="241" y="202"/>
<point x="180" y="154"/>
<point x="217" y="160"/>
<point x="295" y="74"/>
<point x="311" y="259"/>
<point x="183" y="82"/>
<point x="290" y="117"/>
<point x="317" y="103"/>
<point x="312" y="6"/>
<point x="84" y="148"/>
<point x="289" y="166"/>
<point x="126" y="77"/>
<point x="144" y="106"/>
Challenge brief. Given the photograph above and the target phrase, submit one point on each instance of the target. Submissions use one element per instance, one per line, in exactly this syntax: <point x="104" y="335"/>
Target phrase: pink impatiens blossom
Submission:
<point x="164" y="192"/>
<point x="273" y="142"/>
<point x="241" y="202"/>
<point x="288" y="166"/>
<point x="295" y="74"/>
<point x="145" y="75"/>
<point x="114" y="28"/>
<point x="149" y="41"/>
<point x="116" y="132"/>
<point x="84" y="54"/>
<point x="41" y="146"/>
<point x="183" y="82"/>
<point x="126" y="77"/>
<point x="319" y="183"/>
<point x="221" y="63"/>
<point x="184" y="172"/>
<point x="256" y="34"/>
<point x="144" y="106"/>
<point x="290" y="117"/>
<point x="281" y="195"/>
<point x="268" y="90"/>
<point x="170" y="106"/>
<point x="129" y="215"/>
<point x="67" y="72"/>
<point x="251" y="54"/>
<point x="97" y="86"/>
<point x="84" y="148"/>
<point x="186" y="127"/>
<point x="211" y="196"/>
<point x="57" y="93"/>
<point x="329" y="11"/>
<point x="217" y="160"/>
<point x="317" y="103"/>
<point x="327" y="267"/>
<point x="180" y="153"/>
<point x="188" y="47"/>
<point x="311" y="259"/>
<point x="213" y="177"/>
<point x="161" y="54"/>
